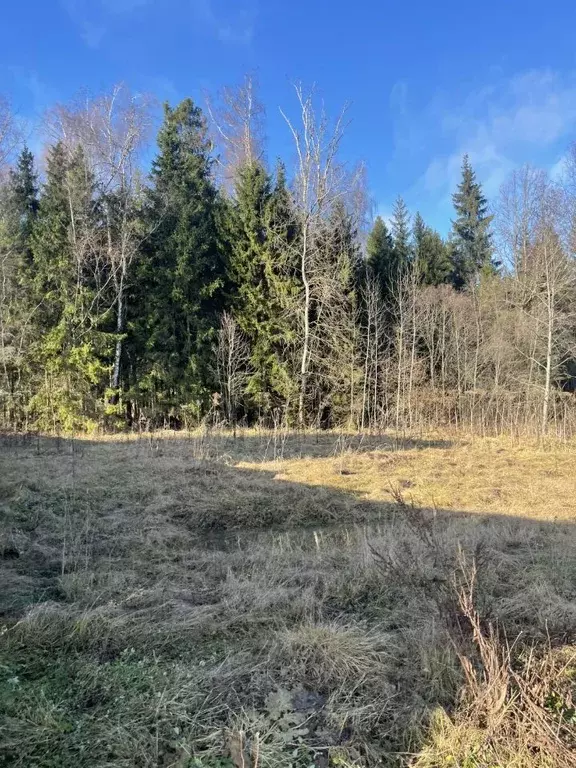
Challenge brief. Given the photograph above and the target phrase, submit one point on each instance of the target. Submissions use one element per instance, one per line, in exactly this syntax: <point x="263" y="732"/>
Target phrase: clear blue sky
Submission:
<point x="427" y="79"/>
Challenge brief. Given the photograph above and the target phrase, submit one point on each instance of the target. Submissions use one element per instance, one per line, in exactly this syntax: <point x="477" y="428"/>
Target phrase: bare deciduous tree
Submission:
<point x="10" y="135"/>
<point x="318" y="184"/>
<point x="111" y="130"/>
<point x="237" y="122"/>
<point x="519" y="209"/>
<point x="233" y="360"/>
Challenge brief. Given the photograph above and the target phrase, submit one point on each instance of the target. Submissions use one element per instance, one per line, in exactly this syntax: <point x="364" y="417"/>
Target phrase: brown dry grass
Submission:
<point x="491" y="475"/>
<point x="200" y="600"/>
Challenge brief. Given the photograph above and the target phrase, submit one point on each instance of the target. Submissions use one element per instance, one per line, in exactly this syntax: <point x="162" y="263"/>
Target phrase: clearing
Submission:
<point x="276" y="599"/>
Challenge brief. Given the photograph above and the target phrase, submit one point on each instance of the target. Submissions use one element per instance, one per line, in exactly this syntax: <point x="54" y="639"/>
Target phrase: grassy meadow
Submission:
<point x="276" y="599"/>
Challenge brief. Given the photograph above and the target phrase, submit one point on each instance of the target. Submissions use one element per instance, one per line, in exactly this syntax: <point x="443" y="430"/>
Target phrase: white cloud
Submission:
<point x="92" y="34"/>
<point x="235" y="27"/>
<point x="385" y="212"/>
<point x="525" y="114"/>
<point x="559" y="169"/>
<point x="93" y="16"/>
<point x="163" y="88"/>
<point x="91" y="31"/>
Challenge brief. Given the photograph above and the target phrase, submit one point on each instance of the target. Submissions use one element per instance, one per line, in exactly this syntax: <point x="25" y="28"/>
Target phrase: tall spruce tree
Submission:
<point x="400" y="226"/>
<point x="336" y="282"/>
<point x="471" y="237"/>
<point x="178" y="293"/>
<point x="69" y="355"/>
<point x="431" y="255"/>
<point x="344" y="251"/>
<point x="282" y="276"/>
<point x="52" y="277"/>
<point x="261" y="231"/>
<point x="23" y="206"/>
<point x="418" y="232"/>
<point x="18" y="209"/>
<point x="381" y="256"/>
<point x="248" y="241"/>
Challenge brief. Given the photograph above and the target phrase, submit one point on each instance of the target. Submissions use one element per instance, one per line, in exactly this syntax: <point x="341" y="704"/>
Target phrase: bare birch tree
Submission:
<point x="10" y="135"/>
<point x="318" y="183"/>
<point x="237" y="125"/>
<point x="233" y="361"/>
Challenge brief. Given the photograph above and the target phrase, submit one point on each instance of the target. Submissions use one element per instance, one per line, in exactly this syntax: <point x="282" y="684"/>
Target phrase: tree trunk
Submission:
<point x="306" y="341"/>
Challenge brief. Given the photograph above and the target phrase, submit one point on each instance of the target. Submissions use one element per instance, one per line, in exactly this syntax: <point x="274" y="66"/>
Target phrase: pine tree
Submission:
<point x="178" y="293"/>
<point x="431" y="255"/>
<point x="345" y="256"/>
<point x="471" y="230"/>
<point x="18" y="209"/>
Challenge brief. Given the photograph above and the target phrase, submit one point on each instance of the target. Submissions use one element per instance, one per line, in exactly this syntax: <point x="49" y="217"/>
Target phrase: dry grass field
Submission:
<point x="274" y="600"/>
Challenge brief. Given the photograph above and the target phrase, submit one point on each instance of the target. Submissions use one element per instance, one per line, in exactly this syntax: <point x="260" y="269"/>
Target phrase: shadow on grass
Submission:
<point x="64" y="493"/>
<point x="127" y="561"/>
<point x="245" y="445"/>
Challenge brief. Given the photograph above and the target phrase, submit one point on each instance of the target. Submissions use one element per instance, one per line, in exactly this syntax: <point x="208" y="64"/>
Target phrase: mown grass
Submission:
<point x="287" y="600"/>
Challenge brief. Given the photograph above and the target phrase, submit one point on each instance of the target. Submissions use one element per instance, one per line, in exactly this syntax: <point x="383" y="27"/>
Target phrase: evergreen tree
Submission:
<point x="435" y="264"/>
<point x="400" y="226"/>
<point x="179" y="291"/>
<point x="282" y="276"/>
<point x="261" y="232"/>
<point x="431" y="255"/>
<point x="471" y="230"/>
<point x="70" y="353"/>
<point x="248" y="242"/>
<point x="381" y="256"/>
<point x="52" y="277"/>
<point x="23" y="206"/>
<point x="418" y="232"/>
<point x="18" y="209"/>
<point x="345" y="262"/>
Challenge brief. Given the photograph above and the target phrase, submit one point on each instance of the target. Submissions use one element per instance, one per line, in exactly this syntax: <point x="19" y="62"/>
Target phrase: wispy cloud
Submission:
<point x="385" y="212"/>
<point x="40" y="94"/>
<point x="92" y="17"/>
<point x="399" y="99"/>
<point x="235" y="27"/>
<point x="559" y="170"/>
<point x="123" y="6"/>
<point x="36" y="96"/>
<point x="501" y="122"/>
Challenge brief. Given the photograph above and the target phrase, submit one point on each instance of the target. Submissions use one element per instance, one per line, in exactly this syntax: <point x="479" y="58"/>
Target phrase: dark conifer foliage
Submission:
<point x="472" y="238"/>
<point x="23" y="205"/>
<point x="381" y="256"/>
<point x="400" y="228"/>
<point x="180" y="282"/>
<point x="431" y="254"/>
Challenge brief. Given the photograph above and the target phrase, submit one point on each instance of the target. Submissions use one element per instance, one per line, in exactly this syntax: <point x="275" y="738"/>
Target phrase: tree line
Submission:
<point x="215" y="287"/>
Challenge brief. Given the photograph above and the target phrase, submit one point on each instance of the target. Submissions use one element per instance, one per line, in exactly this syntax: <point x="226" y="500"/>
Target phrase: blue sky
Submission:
<point x="427" y="81"/>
